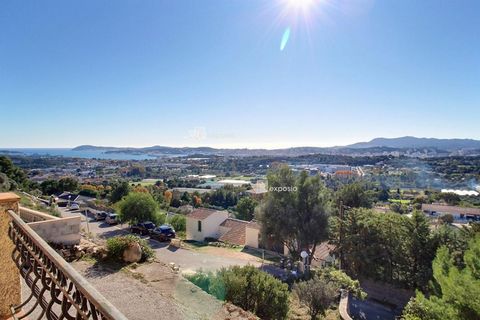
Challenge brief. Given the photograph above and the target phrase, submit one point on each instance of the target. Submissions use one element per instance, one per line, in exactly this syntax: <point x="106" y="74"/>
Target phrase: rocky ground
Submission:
<point x="155" y="291"/>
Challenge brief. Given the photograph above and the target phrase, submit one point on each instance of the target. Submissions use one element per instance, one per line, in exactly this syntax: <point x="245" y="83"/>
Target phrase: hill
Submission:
<point x="378" y="146"/>
<point x="413" y="142"/>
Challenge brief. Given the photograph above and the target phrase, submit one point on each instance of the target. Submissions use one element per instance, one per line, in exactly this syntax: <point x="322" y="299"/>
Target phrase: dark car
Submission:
<point x="143" y="227"/>
<point x="163" y="233"/>
<point x="112" y="218"/>
<point x="100" y="215"/>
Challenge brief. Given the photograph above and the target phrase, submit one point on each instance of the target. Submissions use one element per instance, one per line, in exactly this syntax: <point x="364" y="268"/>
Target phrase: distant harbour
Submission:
<point x="69" y="153"/>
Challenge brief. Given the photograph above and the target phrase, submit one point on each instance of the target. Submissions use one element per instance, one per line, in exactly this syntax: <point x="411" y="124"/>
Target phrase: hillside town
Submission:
<point x="196" y="221"/>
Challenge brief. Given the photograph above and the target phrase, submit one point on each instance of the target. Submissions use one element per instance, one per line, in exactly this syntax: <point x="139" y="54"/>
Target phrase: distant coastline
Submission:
<point x="408" y="146"/>
<point x="70" y="153"/>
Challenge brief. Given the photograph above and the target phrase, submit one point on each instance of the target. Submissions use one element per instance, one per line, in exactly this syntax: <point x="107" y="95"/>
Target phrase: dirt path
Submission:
<point x="190" y="260"/>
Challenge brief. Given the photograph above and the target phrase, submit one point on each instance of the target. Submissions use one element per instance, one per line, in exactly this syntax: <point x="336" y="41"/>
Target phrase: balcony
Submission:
<point x="52" y="289"/>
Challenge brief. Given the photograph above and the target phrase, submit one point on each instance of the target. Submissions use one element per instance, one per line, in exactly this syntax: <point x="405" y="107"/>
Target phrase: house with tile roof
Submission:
<point x="324" y="255"/>
<point x="207" y="223"/>
<point x="459" y="214"/>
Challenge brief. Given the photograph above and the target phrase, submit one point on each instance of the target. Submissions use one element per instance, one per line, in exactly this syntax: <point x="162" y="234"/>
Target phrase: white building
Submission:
<point x="460" y="214"/>
<point x="207" y="223"/>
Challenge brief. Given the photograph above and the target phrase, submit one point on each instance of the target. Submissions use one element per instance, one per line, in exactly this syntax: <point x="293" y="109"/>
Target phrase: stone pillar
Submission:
<point x="10" y="289"/>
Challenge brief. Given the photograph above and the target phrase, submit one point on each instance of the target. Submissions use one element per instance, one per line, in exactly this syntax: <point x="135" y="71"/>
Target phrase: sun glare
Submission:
<point x="300" y="4"/>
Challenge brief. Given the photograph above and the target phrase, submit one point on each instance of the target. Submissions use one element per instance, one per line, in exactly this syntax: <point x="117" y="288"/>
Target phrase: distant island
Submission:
<point x="403" y="145"/>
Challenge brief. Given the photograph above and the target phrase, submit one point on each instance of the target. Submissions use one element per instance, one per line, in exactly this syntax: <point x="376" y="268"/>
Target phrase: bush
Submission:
<point x="447" y="218"/>
<point x="159" y="218"/>
<point x="317" y="294"/>
<point x="181" y="235"/>
<point x="179" y="222"/>
<point x="117" y="245"/>
<point x="88" y="193"/>
<point x="209" y="282"/>
<point x="247" y="287"/>
<point x="137" y="207"/>
<point x="342" y="281"/>
<point x="321" y="292"/>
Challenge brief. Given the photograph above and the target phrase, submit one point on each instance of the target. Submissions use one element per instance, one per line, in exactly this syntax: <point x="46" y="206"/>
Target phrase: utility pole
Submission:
<point x="340" y="240"/>
<point x="86" y="219"/>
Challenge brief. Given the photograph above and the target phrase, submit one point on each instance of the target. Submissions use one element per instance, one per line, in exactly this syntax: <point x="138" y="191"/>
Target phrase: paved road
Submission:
<point x="189" y="260"/>
<point x="370" y="310"/>
<point x="98" y="228"/>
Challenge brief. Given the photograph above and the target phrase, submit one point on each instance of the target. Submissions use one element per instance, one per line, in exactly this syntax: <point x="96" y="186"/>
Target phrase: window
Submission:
<point x="199" y="226"/>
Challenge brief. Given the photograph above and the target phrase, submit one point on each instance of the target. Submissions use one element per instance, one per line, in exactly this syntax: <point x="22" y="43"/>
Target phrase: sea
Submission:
<point x="69" y="153"/>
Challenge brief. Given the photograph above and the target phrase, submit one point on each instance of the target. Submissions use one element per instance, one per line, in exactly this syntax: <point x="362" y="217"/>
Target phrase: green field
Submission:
<point x="246" y="178"/>
<point x="146" y="182"/>
<point x="399" y="201"/>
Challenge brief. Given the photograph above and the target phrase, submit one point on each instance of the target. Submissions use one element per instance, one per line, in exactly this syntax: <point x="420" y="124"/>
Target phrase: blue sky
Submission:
<point x="211" y="72"/>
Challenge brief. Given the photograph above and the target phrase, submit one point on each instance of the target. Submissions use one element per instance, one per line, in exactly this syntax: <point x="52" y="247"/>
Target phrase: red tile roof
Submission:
<point x="201" y="213"/>
<point x="254" y="225"/>
<point x="322" y="251"/>
<point x="344" y="172"/>
<point x="236" y="231"/>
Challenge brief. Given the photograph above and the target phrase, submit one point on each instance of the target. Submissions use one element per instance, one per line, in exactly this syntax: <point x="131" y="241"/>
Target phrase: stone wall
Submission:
<point x="58" y="231"/>
<point x="343" y="307"/>
<point x="9" y="275"/>
<point x="29" y="215"/>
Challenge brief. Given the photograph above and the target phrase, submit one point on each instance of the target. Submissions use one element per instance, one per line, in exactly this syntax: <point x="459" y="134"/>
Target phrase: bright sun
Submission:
<point x="300" y="4"/>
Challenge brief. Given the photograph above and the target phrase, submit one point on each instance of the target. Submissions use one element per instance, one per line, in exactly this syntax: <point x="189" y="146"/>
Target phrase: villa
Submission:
<point x="205" y="223"/>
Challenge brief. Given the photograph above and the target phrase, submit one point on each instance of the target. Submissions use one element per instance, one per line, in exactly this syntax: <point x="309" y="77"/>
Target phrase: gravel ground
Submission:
<point x="132" y="296"/>
<point x="154" y="291"/>
<point x="190" y="260"/>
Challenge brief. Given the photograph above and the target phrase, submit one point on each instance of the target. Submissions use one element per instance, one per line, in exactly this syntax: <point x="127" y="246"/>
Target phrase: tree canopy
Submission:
<point x="457" y="291"/>
<point x="354" y="195"/>
<point x="246" y="208"/>
<point x="295" y="211"/>
<point x="16" y="176"/>
<point x="137" y="207"/>
<point x="385" y="246"/>
<point x="119" y="190"/>
<point x="67" y="184"/>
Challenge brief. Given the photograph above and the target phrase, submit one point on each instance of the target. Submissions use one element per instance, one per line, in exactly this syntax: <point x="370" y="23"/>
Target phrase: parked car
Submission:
<point x="163" y="233"/>
<point x="112" y="218"/>
<point x="143" y="227"/>
<point x="74" y="206"/>
<point x="99" y="215"/>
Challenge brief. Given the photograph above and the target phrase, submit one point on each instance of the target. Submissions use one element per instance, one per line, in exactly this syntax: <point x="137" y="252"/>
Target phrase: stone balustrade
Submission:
<point x="56" y="290"/>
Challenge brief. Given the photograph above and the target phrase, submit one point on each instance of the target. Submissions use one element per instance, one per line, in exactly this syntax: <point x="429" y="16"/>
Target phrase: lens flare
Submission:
<point x="302" y="4"/>
<point x="285" y="37"/>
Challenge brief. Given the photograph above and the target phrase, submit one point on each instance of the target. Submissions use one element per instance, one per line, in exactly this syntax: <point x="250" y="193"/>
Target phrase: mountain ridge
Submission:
<point x="414" y="142"/>
<point x="406" y="144"/>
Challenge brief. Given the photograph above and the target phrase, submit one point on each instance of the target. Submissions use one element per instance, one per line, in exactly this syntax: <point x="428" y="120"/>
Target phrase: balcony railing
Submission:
<point x="56" y="290"/>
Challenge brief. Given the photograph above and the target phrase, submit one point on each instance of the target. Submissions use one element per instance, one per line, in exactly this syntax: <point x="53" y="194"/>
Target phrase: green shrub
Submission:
<point x="317" y="294"/>
<point x="248" y="288"/>
<point x="117" y="245"/>
<point x="179" y="222"/>
<point x="181" y="235"/>
<point x="159" y="218"/>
